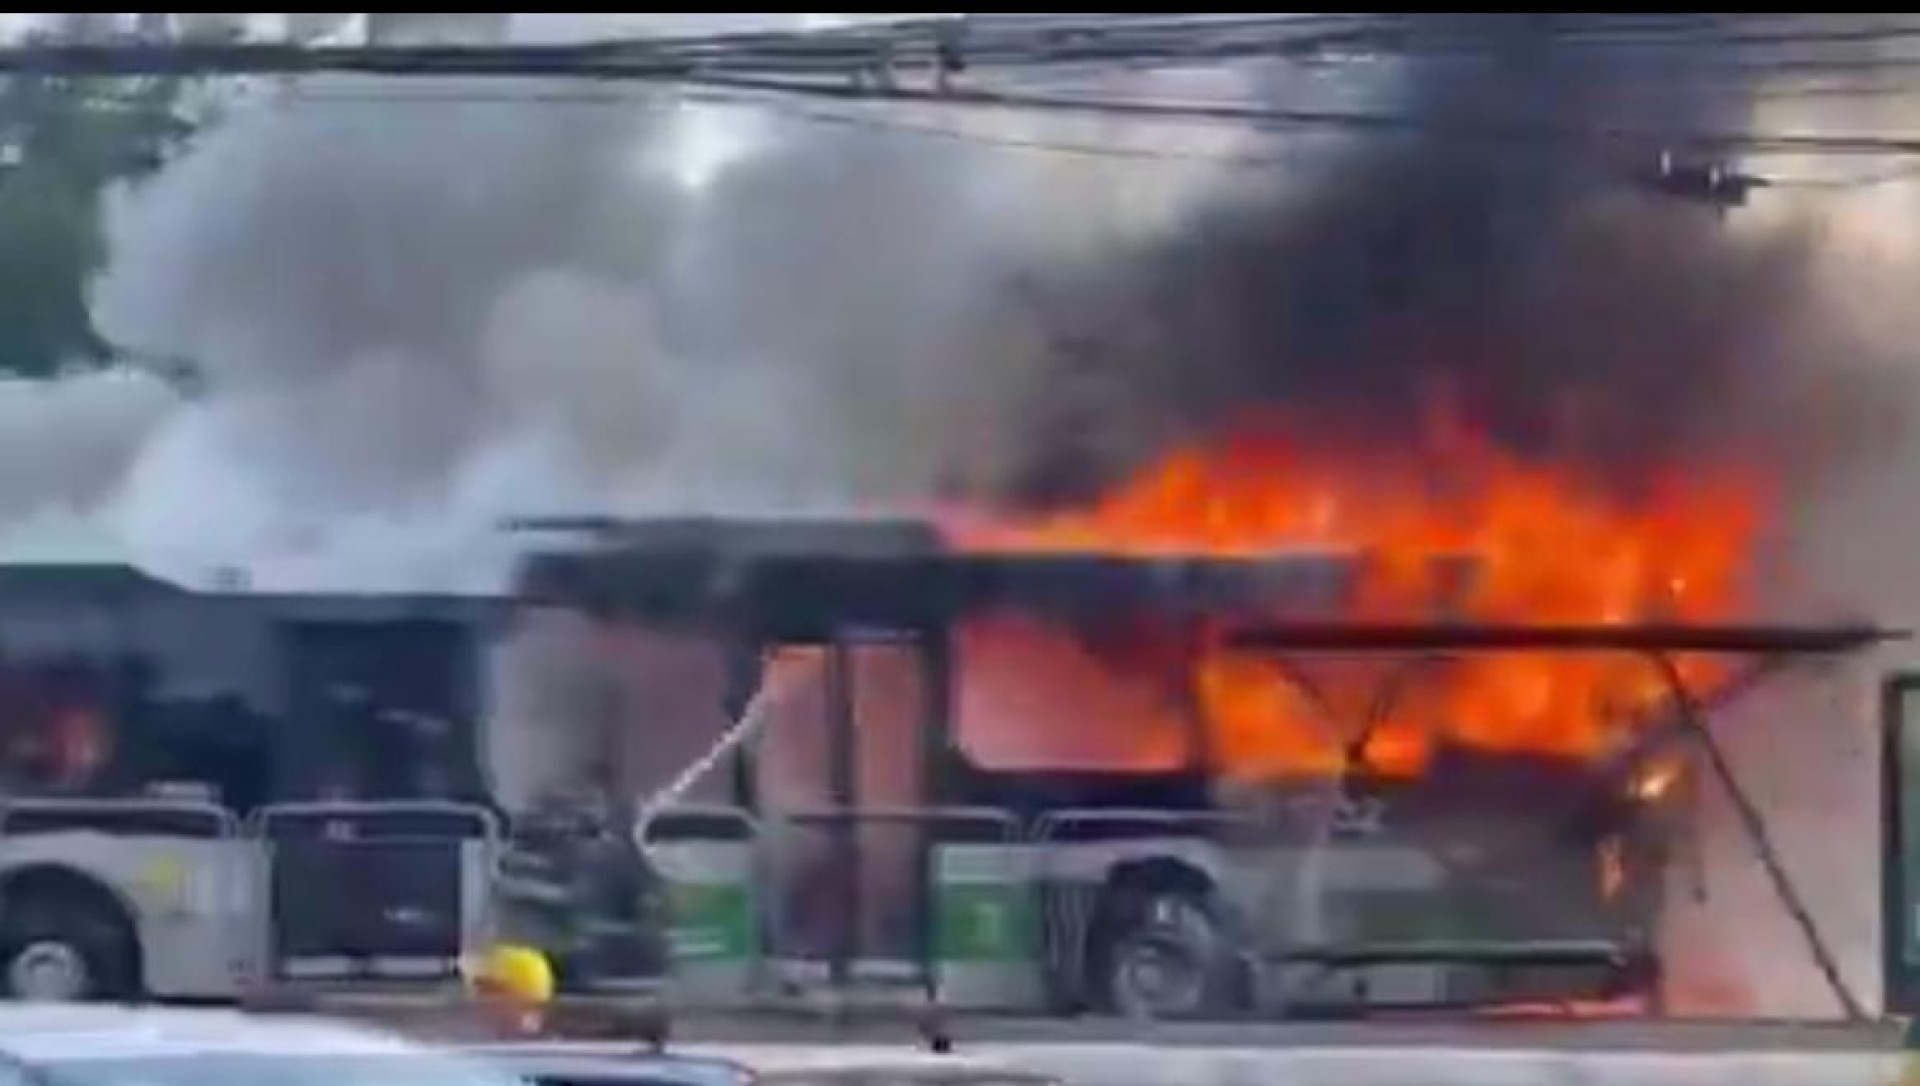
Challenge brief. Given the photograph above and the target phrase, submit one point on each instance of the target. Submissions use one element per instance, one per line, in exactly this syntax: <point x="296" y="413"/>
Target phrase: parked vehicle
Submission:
<point x="586" y="1065"/>
<point x="101" y="1046"/>
<point x="820" y="1065"/>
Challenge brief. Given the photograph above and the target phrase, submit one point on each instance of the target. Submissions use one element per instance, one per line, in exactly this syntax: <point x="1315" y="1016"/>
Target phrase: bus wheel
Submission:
<point x="1163" y="956"/>
<point x="64" y="948"/>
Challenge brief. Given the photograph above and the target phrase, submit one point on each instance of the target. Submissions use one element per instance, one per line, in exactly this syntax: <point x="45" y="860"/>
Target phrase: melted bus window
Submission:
<point x="57" y="727"/>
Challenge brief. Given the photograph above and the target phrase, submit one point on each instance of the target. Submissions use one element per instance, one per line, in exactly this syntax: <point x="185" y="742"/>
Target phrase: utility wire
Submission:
<point x="800" y="111"/>
<point x="1484" y="129"/>
<point x="795" y="107"/>
<point x="637" y="64"/>
<point x="937" y="44"/>
<point x="894" y="125"/>
<point x="194" y="59"/>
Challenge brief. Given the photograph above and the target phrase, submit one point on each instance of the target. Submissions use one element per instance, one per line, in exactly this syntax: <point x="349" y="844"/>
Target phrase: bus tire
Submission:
<point x="1161" y="953"/>
<point x="64" y="940"/>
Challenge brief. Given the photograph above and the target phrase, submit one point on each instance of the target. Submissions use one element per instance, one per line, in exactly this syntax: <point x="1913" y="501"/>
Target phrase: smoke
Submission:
<point x="415" y="315"/>
<point x="63" y="443"/>
<point x="1545" y="288"/>
<point x="1571" y="311"/>
<point x="415" y="318"/>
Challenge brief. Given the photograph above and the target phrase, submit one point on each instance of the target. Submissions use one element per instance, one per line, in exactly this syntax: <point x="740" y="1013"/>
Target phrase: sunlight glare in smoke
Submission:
<point x="703" y="144"/>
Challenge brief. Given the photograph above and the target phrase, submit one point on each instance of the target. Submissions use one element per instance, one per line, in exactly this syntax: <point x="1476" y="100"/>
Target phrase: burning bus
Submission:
<point x="1004" y="774"/>
<point x="1064" y="718"/>
<point x="1373" y="804"/>
<point x="176" y="761"/>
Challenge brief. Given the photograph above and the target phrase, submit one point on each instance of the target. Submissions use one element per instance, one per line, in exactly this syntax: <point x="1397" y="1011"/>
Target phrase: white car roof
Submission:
<point x="783" y="1063"/>
<point x="827" y="1063"/>
<point x="36" y="1035"/>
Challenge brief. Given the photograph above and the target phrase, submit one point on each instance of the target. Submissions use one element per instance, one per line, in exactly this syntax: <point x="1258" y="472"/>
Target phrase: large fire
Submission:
<point x="1545" y="545"/>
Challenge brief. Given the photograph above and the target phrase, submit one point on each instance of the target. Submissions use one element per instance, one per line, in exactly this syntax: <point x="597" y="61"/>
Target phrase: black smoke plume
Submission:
<point x="1513" y="255"/>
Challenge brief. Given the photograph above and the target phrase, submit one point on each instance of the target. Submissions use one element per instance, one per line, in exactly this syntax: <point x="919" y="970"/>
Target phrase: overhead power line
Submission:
<point x="786" y="108"/>
<point x="220" y="59"/>
<point x="974" y="41"/>
<point x="1461" y="127"/>
<point x="730" y="62"/>
<point x="805" y="112"/>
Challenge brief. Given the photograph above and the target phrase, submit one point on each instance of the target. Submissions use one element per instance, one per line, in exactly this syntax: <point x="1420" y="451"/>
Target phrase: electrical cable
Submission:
<point x="787" y="109"/>
<point x="972" y="41"/>
<point x="1479" y="129"/>
<point x="791" y="108"/>
<point x="666" y="66"/>
<point x="799" y="112"/>
<point x="649" y="63"/>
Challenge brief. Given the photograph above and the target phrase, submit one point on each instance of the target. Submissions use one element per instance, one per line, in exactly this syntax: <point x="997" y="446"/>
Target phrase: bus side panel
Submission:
<point x="191" y="902"/>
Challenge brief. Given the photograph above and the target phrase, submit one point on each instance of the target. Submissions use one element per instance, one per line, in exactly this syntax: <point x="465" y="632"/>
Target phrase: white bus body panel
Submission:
<point x="195" y="903"/>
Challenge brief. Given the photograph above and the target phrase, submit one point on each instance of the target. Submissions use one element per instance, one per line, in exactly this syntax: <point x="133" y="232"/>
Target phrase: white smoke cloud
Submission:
<point x="63" y="443"/>
<point x="417" y="316"/>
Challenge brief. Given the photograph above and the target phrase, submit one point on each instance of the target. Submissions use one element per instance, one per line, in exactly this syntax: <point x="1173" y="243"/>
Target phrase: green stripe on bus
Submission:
<point x="983" y="922"/>
<point x="710" y="922"/>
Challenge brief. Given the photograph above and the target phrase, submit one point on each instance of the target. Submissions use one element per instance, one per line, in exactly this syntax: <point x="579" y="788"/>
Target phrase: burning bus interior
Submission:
<point x="1242" y="778"/>
<point x="118" y="684"/>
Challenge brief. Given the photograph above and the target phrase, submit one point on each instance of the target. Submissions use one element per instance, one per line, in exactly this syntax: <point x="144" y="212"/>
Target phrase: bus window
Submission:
<point x="1108" y="703"/>
<point x="380" y="711"/>
<point x="215" y="746"/>
<point x="58" y="725"/>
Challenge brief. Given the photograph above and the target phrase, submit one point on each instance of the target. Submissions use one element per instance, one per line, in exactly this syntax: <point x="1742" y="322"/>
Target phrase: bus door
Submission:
<point x="841" y="775"/>
<point x="374" y="859"/>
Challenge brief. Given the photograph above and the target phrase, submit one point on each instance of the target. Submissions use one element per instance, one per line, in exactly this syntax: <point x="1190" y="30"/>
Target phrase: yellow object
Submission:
<point x="162" y="885"/>
<point x="518" y="974"/>
<point x="164" y="876"/>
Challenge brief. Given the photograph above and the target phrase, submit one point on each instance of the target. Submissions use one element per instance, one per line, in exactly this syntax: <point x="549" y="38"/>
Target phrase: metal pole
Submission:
<point x="746" y="674"/>
<point x="1754" y="824"/>
<point x="1202" y="755"/>
<point x="1678" y="724"/>
<point x="936" y="740"/>
<point x="1309" y="897"/>
<point x="844" y="780"/>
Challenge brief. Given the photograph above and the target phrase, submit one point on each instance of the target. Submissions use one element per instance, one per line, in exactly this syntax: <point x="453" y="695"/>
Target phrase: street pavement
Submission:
<point x="1405" y="1053"/>
<point x="1152" y="1066"/>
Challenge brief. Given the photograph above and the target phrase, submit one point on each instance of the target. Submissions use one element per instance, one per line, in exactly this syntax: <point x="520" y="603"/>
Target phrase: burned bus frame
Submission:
<point x="836" y="586"/>
<point x="1766" y="649"/>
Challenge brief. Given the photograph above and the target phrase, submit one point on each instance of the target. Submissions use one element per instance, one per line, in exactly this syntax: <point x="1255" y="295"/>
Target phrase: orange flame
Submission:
<point x="1545" y="546"/>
